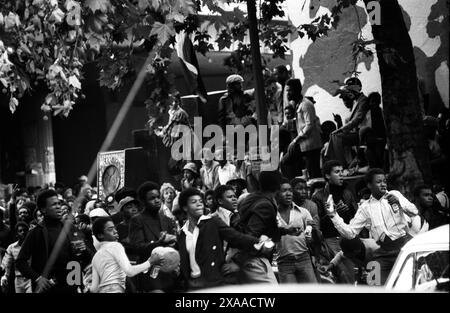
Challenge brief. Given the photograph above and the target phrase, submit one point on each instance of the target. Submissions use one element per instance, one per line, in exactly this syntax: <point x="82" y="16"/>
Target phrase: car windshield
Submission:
<point x="432" y="270"/>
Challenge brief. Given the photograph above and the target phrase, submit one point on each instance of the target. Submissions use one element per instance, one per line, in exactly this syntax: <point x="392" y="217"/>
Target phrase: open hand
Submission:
<point x="43" y="284"/>
<point x="229" y="268"/>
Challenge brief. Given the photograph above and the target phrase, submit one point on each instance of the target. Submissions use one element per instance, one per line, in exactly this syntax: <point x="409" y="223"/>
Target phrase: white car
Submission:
<point x="423" y="263"/>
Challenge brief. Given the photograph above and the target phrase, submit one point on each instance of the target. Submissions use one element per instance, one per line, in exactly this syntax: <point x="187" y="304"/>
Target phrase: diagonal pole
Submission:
<point x="106" y="144"/>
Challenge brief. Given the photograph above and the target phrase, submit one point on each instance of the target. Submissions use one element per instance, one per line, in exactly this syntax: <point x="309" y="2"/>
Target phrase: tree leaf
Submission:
<point x="11" y="21"/>
<point x="163" y="31"/>
<point x="73" y="81"/>
<point x="144" y="4"/>
<point x="100" y="5"/>
<point x="13" y="103"/>
<point x="57" y="15"/>
<point x="176" y="17"/>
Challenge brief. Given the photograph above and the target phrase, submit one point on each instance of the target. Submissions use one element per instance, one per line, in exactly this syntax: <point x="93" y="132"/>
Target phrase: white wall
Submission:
<point x="331" y="57"/>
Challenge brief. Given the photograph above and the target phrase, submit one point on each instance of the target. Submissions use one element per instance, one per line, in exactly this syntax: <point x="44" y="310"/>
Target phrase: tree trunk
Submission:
<point x="261" y="108"/>
<point x="408" y="149"/>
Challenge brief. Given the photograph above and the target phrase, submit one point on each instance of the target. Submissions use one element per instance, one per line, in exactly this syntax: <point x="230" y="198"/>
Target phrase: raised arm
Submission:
<point x="355" y="226"/>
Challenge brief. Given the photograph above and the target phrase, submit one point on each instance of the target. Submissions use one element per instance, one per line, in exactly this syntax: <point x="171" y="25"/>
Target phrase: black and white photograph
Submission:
<point x="233" y="148"/>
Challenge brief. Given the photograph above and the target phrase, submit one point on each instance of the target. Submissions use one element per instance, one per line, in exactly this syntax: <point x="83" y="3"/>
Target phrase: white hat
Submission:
<point x="98" y="213"/>
<point x="90" y="206"/>
<point x="234" y="78"/>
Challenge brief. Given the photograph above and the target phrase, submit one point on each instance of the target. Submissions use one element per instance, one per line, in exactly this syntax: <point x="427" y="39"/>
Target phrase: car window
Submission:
<point x="404" y="281"/>
<point x="432" y="271"/>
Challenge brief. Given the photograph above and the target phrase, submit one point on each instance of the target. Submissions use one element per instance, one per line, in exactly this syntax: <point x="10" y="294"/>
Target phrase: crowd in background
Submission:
<point x="226" y="222"/>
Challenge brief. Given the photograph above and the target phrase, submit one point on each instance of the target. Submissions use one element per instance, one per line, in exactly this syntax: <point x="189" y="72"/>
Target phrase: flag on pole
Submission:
<point x="189" y="63"/>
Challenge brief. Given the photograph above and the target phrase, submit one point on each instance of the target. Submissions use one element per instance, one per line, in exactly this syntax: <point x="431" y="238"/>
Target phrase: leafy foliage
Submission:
<point x="51" y="41"/>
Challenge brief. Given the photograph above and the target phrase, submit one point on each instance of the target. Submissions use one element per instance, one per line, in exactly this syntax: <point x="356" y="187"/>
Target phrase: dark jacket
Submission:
<point x="232" y="109"/>
<point x="258" y="216"/>
<point x="209" y="252"/>
<point x="144" y="233"/>
<point x="35" y="253"/>
<point x="320" y="197"/>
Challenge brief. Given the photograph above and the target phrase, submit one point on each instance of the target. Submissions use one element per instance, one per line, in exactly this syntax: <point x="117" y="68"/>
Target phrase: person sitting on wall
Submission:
<point x="347" y="136"/>
<point x="234" y="106"/>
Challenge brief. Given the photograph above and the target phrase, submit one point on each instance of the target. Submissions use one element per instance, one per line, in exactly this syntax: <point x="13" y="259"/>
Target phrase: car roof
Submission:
<point x="438" y="235"/>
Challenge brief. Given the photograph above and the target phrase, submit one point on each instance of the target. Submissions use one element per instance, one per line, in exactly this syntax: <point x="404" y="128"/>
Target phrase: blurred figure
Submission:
<point x="22" y="284"/>
<point x="168" y="194"/>
<point x="430" y="210"/>
<point x="209" y="202"/>
<point x="209" y="170"/>
<point x="190" y="174"/>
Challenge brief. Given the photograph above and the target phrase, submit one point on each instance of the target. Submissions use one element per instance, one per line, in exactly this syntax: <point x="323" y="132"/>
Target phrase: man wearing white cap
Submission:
<point x="348" y="135"/>
<point x="234" y="105"/>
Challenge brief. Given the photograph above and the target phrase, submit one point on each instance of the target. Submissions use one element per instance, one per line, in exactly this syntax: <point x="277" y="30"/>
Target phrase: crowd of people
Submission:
<point x="223" y="223"/>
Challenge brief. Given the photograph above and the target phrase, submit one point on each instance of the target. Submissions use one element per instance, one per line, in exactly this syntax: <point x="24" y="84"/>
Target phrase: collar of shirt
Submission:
<point x="295" y="218"/>
<point x="191" y="245"/>
<point x="224" y="215"/>
<point x="185" y="227"/>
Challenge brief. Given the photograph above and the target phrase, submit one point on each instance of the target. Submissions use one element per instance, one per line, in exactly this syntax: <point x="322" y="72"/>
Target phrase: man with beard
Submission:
<point x="50" y="247"/>
<point x="234" y="106"/>
<point x="342" y="139"/>
<point x="148" y="230"/>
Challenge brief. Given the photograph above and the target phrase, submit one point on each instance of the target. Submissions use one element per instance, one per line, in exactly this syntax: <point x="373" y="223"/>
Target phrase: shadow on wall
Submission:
<point x="333" y="53"/>
<point x="437" y="26"/>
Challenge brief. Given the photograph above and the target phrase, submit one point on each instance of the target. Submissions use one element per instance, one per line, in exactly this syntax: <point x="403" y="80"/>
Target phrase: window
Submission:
<point x="432" y="271"/>
<point x="404" y="281"/>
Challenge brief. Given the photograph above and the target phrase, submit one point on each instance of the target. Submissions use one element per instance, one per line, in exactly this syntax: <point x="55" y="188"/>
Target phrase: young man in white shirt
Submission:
<point x="110" y="265"/>
<point x="386" y="214"/>
<point x="294" y="259"/>
<point x="201" y="243"/>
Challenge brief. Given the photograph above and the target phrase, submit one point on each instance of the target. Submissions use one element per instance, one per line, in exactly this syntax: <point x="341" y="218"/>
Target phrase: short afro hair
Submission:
<point x="43" y="196"/>
<point x="297" y="180"/>
<point x="269" y="181"/>
<point x="419" y="189"/>
<point x="284" y="180"/>
<point x="23" y="224"/>
<point x="371" y="174"/>
<point x="328" y="167"/>
<point x="124" y="192"/>
<point x="220" y="191"/>
<point x="186" y="194"/>
<point x="146" y="187"/>
<point x="99" y="226"/>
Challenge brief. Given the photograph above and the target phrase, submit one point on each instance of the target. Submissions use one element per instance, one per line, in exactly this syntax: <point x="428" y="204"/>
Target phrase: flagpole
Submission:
<point x="261" y="108"/>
